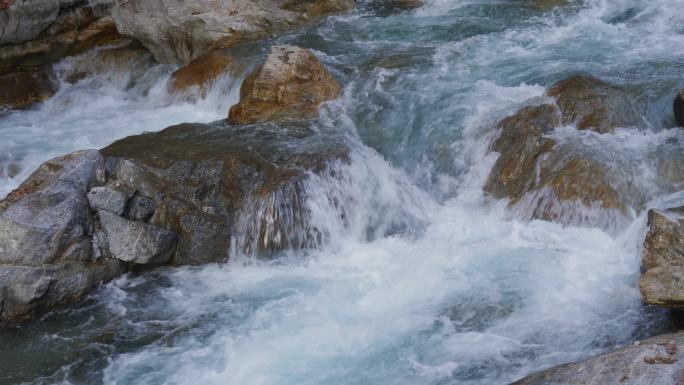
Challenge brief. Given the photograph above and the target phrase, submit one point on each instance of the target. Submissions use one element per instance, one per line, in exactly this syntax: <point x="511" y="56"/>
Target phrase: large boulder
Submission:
<point x="201" y="177"/>
<point x="290" y="85"/>
<point x="191" y="194"/>
<point x="662" y="282"/>
<point x="180" y="31"/>
<point x="545" y="179"/>
<point x="654" y="361"/>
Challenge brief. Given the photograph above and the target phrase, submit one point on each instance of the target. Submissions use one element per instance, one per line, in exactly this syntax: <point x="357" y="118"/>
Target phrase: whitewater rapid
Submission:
<point x="426" y="281"/>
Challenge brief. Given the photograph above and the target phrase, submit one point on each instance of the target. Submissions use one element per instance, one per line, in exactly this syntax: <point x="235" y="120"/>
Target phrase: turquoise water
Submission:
<point x="463" y="292"/>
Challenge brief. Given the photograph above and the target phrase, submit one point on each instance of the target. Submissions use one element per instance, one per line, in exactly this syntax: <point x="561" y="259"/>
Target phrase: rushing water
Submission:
<point x="426" y="282"/>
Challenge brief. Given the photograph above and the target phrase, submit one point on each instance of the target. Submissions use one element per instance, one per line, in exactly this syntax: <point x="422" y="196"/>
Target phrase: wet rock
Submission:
<point x="290" y="85"/>
<point x="196" y="77"/>
<point x="662" y="282"/>
<point x="140" y="208"/>
<point x="136" y="242"/>
<point x="679" y="108"/>
<point x="26" y="291"/>
<point x="545" y="179"/>
<point x="179" y="31"/>
<point x="45" y="237"/>
<point x="24" y="88"/>
<point x="404" y="4"/>
<point x="204" y="176"/>
<point x="112" y="198"/>
<point x="593" y="104"/>
<point x="656" y="360"/>
<point x="47" y="217"/>
<point x="520" y="144"/>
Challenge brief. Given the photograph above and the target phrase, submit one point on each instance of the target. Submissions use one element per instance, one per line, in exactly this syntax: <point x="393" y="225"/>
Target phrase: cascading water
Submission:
<point x="415" y="277"/>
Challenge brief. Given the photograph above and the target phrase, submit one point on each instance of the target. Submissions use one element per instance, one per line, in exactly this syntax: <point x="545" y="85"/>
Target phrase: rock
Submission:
<point x="404" y="4"/>
<point x="48" y="48"/>
<point x="112" y="198"/>
<point x="24" y="88"/>
<point x="45" y="238"/>
<point x="196" y="77"/>
<point x="593" y="104"/>
<point x="140" y="208"/>
<point x="544" y="179"/>
<point x="662" y="282"/>
<point x="47" y="217"/>
<point x="290" y="85"/>
<point x="656" y="360"/>
<point x="136" y="242"/>
<point x="679" y="108"/>
<point x="520" y="144"/>
<point x="205" y="177"/>
<point x="180" y="31"/>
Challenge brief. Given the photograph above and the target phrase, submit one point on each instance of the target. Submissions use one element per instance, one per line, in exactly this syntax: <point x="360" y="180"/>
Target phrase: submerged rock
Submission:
<point x="180" y="31"/>
<point x="656" y="360"/>
<point x="130" y="59"/>
<point x="197" y="76"/>
<point x="27" y="87"/>
<point x="545" y="180"/>
<point x="662" y="282"/>
<point x="679" y="108"/>
<point x="290" y="85"/>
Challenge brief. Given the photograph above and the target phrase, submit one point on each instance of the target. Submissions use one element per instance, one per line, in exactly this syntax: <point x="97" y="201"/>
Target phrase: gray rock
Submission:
<point x="179" y="31"/>
<point x="47" y="217"/>
<point x="112" y="197"/>
<point x="136" y="242"/>
<point x="140" y="208"/>
<point x="655" y="361"/>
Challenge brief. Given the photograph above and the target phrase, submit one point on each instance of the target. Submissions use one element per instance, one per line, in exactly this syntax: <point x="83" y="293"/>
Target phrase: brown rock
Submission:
<point x="593" y="104"/>
<point x="405" y="4"/>
<point x="27" y="87"/>
<point x="662" y="283"/>
<point x="549" y="4"/>
<point x="198" y="75"/>
<point x="290" y="85"/>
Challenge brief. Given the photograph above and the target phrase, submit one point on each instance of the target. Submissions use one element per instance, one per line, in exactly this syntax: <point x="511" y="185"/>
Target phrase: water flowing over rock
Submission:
<point x="543" y="179"/>
<point x="662" y="283"/>
<point x="202" y="176"/>
<point x="128" y="59"/>
<point x="652" y="361"/>
<point x="180" y="31"/>
<point x="196" y="77"/>
<point x="290" y="85"/>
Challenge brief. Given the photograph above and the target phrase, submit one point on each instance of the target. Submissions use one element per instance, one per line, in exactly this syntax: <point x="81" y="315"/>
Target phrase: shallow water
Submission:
<point x="425" y="282"/>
